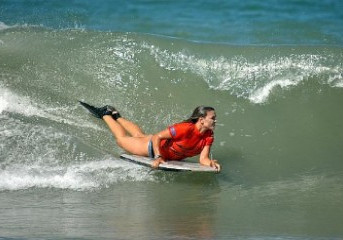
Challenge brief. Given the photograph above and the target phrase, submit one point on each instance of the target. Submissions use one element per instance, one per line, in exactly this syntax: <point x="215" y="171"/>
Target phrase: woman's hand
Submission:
<point x="157" y="162"/>
<point x="206" y="160"/>
<point x="215" y="165"/>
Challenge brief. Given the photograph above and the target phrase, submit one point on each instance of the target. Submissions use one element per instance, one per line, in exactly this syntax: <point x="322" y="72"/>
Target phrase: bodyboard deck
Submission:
<point x="169" y="165"/>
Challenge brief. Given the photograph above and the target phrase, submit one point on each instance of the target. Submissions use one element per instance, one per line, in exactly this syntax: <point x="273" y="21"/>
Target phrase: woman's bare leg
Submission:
<point x="117" y="130"/>
<point x="133" y="129"/>
<point x="136" y="144"/>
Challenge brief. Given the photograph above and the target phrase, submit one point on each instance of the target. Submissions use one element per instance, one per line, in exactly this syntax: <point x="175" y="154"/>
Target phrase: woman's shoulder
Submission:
<point x="181" y="128"/>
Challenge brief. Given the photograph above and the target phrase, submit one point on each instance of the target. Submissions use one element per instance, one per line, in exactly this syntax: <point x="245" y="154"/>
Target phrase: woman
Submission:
<point x="181" y="140"/>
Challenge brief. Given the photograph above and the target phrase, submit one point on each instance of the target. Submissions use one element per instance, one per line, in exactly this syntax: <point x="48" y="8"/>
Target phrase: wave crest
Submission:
<point x="253" y="78"/>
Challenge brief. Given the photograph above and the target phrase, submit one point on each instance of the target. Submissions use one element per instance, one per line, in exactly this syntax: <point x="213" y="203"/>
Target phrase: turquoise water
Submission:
<point x="272" y="70"/>
<point x="235" y="22"/>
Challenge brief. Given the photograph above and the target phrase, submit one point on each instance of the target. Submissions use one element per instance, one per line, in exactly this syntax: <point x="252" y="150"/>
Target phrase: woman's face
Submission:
<point x="209" y="121"/>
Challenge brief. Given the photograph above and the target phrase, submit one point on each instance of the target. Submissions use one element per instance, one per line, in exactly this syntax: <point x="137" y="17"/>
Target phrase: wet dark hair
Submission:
<point x="199" y="112"/>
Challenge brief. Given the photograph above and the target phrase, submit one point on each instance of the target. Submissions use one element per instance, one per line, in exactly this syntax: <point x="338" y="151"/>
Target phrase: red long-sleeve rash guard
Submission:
<point x="186" y="141"/>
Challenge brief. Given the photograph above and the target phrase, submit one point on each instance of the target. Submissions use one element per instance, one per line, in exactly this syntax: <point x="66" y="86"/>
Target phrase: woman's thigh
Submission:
<point x="135" y="145"/>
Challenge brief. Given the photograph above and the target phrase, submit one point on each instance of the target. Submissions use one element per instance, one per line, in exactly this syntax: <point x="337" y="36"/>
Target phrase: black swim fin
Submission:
<point x="100" y="112"/>
<point x="96" y="112"/>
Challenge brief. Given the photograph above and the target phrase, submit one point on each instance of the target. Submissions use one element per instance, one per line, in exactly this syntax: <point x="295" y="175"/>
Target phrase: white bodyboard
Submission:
<point x="169" y="165"/>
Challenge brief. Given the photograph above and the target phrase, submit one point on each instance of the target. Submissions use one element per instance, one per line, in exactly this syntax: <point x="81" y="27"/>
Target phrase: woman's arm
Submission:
<point x="156" y="140"/>
<point x="205" y="159"/>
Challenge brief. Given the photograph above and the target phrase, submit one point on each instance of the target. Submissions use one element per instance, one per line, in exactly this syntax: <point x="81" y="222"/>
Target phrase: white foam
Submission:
<point x="12" y="102"/>
<point x="339" y="84"/>
<point x="79" y="176"/>
<point x="262" y="94"/>
<point x="3" y="26"/>
<point x="251" y="79"/>
<point x="336" y="80"/>
<point x="3" y="103"/>
<point x="36" y="159"/>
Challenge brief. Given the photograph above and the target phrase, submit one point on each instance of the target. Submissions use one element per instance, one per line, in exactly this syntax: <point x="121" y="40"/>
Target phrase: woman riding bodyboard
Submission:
<point x="179" y="141"/>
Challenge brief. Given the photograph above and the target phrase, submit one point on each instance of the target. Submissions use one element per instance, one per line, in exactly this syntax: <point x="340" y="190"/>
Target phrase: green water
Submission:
<point x="278" y="138"/>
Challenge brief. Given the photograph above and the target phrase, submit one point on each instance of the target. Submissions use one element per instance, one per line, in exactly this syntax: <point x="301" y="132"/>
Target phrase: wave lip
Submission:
<point x="262" y="94"/>
<point x="3" y="26"/>
<point x="254" y="78"/>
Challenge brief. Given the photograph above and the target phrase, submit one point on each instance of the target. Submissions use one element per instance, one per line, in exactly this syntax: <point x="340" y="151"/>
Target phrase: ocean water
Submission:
<point x="273" y="70"/>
